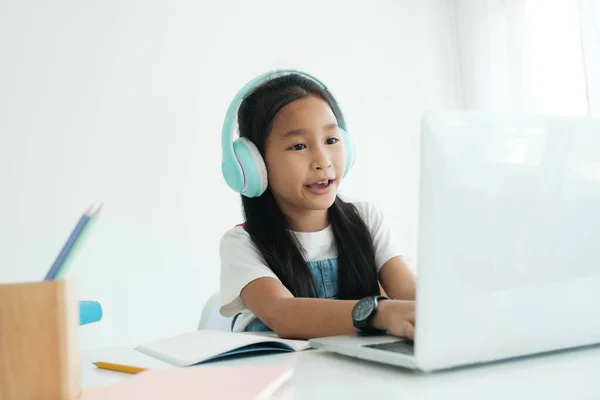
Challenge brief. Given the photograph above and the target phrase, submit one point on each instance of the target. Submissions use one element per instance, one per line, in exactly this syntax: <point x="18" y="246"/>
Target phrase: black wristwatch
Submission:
<point x="363" y="313"/>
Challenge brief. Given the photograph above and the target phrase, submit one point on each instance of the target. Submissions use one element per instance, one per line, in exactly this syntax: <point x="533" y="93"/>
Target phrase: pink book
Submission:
<point x="218" y="382"/>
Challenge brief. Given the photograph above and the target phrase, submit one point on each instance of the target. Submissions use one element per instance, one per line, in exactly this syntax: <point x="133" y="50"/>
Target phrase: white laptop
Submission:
<point x="509" y="242"/>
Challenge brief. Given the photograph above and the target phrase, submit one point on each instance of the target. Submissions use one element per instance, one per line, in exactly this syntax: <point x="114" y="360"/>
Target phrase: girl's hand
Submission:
<point x="397" y="317"/>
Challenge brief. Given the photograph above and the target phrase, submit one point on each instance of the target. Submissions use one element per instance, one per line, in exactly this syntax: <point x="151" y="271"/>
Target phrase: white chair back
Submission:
<point x="211" y="318"/>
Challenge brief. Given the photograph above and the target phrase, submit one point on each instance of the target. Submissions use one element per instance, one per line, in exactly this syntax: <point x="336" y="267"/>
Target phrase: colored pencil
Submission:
<point x="119" y="367"/>
<point x="79" y="240"/>
<point x="68" y="245"/>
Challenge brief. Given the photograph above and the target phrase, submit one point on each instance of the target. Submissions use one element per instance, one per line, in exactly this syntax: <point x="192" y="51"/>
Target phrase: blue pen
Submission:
<point x="68" y="245"/>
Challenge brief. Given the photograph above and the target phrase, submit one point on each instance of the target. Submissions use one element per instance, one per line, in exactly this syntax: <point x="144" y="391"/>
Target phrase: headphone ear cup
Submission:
<point x="253" y="167"/>
<point x="350" y="150"/>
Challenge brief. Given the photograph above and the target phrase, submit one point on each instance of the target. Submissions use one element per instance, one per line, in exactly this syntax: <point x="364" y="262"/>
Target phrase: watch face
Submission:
<point x="363" y="309"/>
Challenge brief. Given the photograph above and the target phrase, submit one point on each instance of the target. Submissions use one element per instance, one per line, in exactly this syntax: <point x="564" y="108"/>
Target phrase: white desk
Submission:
<point x="320" y="375"/>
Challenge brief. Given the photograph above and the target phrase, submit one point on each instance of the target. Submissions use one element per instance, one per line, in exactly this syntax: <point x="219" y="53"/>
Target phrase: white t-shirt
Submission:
<point x="242" y="262"/>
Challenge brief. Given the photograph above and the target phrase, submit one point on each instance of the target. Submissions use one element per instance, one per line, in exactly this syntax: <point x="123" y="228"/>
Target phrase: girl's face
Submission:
<point x="305" y="156"/>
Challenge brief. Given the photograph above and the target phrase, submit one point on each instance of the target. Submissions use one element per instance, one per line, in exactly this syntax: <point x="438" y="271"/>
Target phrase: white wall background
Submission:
<point x="589" y="21"/>
<point x="524" y="55"/>
<point x="122" y="102"/>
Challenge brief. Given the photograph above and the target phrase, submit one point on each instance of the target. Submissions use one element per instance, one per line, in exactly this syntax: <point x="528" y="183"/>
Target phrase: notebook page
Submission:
<point x="295" y="344"/>
<point x="196" y="346"/>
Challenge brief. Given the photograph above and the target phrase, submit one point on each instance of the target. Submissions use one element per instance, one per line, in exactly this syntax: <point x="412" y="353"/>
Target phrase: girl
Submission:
<point x="305" y="263"/>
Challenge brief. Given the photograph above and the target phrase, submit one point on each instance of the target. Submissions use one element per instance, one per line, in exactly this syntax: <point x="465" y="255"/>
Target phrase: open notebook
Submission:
<point x="208" y="345"/>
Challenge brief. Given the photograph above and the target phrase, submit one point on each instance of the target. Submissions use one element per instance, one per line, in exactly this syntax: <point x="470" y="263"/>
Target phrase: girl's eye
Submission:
<point x="332" y="140"/>
<point x="298" y="146"/>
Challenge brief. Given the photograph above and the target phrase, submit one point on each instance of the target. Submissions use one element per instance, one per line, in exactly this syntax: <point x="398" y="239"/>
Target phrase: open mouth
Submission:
<point x="321" y="187"/>
<point x="321" y="184"/>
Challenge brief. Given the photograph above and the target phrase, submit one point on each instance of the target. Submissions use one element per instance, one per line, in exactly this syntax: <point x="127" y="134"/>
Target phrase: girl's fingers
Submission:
<point x="408" y="330"/>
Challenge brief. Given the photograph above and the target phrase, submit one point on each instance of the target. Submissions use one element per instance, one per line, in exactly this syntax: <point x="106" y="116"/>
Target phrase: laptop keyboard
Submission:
<point x="400" y="346"/>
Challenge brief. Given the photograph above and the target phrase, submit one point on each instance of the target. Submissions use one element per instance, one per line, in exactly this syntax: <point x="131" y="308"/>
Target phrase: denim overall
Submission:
<point x="325" y="273"/>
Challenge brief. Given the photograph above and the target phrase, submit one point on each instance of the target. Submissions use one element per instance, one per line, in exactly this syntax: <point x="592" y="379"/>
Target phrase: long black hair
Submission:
<point x="266" y="224"/>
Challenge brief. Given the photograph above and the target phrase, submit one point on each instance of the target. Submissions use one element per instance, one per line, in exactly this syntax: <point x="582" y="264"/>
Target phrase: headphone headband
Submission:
<point x="231" y="114"/>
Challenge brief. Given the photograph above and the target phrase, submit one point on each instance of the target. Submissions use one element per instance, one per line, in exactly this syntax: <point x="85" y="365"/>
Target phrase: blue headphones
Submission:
<point x="242" y="166"/>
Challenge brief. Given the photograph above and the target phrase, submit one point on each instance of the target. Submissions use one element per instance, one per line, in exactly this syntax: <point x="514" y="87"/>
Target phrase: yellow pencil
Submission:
<point x="118" y="367"/>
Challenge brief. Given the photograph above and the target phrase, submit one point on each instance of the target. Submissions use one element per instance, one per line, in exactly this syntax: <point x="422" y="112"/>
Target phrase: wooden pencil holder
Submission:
<point x="39" y="341"/>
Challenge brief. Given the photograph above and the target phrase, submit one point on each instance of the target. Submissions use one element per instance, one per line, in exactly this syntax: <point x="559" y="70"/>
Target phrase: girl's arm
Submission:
<point x="397" y="279"/>
<point x="307" y="318"/>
